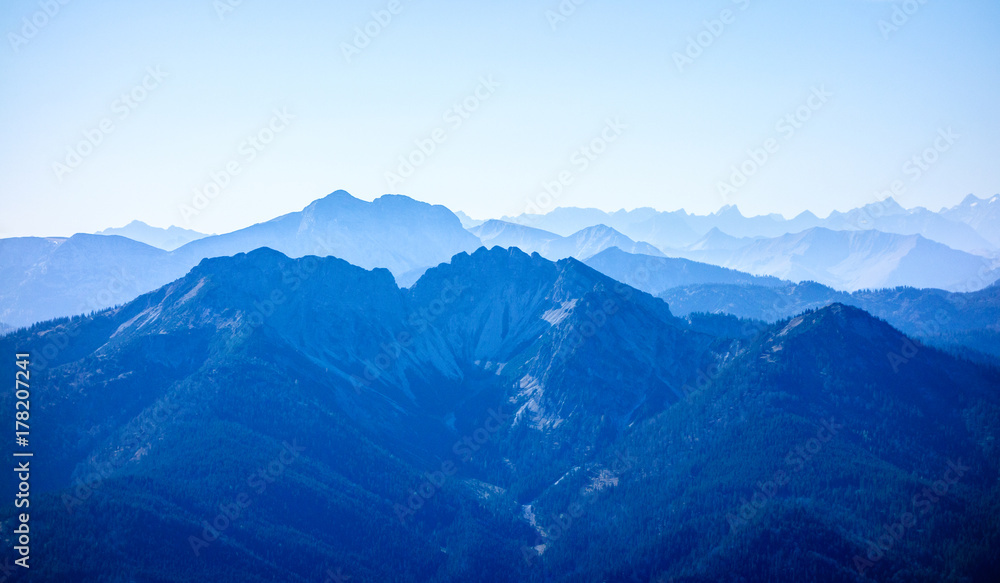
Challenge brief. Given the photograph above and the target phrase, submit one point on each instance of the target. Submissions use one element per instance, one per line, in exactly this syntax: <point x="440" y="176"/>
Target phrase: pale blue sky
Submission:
<point x="684" y="130"/>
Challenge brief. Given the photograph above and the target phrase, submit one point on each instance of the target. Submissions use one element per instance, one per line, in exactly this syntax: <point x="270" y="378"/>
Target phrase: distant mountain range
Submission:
<point x="581" y="245"/>
<point x="981" y="214"/>
<point x="505" y="418"/>
<point x="52" y="277"/>
<point x="167" y="239"/>
<point x="55" y="277"/>
<point x="850" y="260"/>
<point x="968" y="323"/>
<point x="971" y="226"/>
<point x="655" y="274"/>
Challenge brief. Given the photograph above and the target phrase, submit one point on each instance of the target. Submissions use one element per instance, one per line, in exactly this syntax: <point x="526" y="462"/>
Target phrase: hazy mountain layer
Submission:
<point x="167" y="239"/>
<point x="853" y="260"/>
<point x="580" y="245"/>
<point x="48" y="278"/>
<point x="971" y="226"/>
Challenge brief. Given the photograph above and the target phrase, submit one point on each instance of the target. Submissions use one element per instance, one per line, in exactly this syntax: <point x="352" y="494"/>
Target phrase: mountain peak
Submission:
<point x="730" y="210"/>
<point x="335" y="200"/>
<point x="498" y="255"/>
<point x="971" y="199"/>
<point x="839" y="316"/>
<point x="887" y="205"/>
<point x="340" y="194"/>
<point x="599" y="229"/>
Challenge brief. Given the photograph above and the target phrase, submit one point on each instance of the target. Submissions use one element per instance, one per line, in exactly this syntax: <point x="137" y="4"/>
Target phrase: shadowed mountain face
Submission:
<point x="506" y="418"/>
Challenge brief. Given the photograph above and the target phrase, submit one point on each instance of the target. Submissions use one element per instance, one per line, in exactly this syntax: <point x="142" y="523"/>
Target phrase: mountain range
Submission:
<point x="53" y="277"/>
<point x="56" y="277"/>
<point x="581" y="245"/>
<point x="965" y="323"/>
<point x="505" y="418"/>
<point x="850" y="260"/>
<point x="167" y="239"/>
<point x="971" y="226"/>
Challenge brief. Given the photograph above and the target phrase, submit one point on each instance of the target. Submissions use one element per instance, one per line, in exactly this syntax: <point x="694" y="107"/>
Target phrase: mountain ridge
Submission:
<point x="506" y="388"/>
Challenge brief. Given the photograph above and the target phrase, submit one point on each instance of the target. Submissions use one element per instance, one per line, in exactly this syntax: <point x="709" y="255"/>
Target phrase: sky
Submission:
<point x="216" y="114"/>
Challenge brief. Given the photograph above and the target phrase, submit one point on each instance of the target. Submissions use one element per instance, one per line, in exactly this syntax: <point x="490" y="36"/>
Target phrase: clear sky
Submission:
<point x="662" y="121"/>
